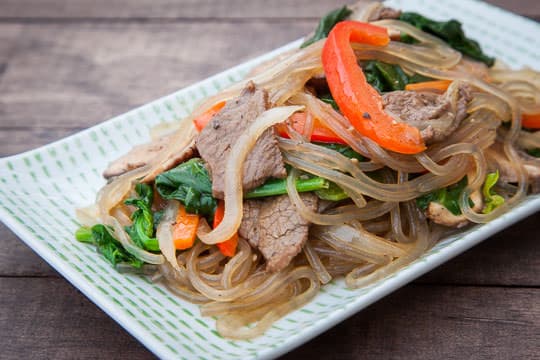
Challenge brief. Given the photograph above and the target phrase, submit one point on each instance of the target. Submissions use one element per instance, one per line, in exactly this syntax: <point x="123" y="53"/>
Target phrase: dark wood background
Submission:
<point x="67" y="65"/>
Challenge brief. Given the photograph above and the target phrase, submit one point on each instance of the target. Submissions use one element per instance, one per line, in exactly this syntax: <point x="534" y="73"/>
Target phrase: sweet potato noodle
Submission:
<point x="378" y="231"/>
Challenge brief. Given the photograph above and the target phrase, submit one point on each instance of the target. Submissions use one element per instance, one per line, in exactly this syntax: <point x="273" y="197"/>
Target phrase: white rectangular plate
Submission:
<point x="59" y="177"/>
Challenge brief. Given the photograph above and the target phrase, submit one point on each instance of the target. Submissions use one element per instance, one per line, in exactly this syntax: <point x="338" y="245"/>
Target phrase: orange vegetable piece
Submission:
<point x="227" y="247"/>
<point x="185" y="229"/>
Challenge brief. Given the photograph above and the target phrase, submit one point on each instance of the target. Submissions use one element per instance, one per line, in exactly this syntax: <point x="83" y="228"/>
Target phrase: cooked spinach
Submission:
<point x="273" y="187"/>
<point x="491" y="199"/>
<point x="449" y="31"/>
<point x="344" y="150"/>
<point x="142" y="230"/>
<point x="190" y="184"/>
<point x="534" y="152"/>
<point x="100" y="236"/>
<point x="388" y="77"/>
<point x="448" y="197"/>
<point x="326" y="24"/>
<point x="333" y="193"/>
<point x="329" y="99"/>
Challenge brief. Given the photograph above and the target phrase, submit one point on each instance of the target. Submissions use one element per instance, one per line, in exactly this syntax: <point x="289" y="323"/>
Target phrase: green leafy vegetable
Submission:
<point x="344" y="150"/>
<point x="491" y="199"/>
<point x="326" y="24"/>
<point x="448" y="197"/>
<point x="534" y="152"/>
<point x="190" y="184"/>
<point x="275" y="187"/>
<point x="100" y="236"/>
<point x="142" y="230"/>
<point x="449" y="31"/>
<point x="332" y="193"/>
<point x="327" y="98"/>
<point x="387" y="77"/>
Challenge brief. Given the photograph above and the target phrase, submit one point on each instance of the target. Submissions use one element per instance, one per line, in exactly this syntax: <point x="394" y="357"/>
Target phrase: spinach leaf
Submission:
<point x="333" y="193"/>
<point x="326" y="24"/>
<point x="387" y="77"/>
<point x="273" y="187"/>
<point x="448" y="197"/>
<point x="100" y="236"/>
<point x="491" y="199"/>
<point x="190" y="184"/>
<point x="327" y="98"/>
<point x="344" y="150"/>
<point x="451" y="32"/>
<point x="142" y="230"/>
<point x="534" y="152"/>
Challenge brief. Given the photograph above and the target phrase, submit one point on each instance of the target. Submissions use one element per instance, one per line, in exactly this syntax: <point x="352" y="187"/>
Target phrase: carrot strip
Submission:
<point x="227" y="247"/>
<point x="205" y="117"/>
<point x="439" y="85"/>
<point x="530" y="121"/>
<point x="320" y="132"/>
<point x="185" y="229"/>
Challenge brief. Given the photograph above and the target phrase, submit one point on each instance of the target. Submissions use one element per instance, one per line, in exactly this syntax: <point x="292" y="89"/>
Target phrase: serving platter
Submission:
<point x="59" y="177"/>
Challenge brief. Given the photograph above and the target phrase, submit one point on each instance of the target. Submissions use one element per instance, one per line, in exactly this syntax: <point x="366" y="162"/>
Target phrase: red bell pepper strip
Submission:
<point x="530" y="121"/>
<point x="228" y="247"/>
<point x="320" y="132"/>
<point x="206" y="116"/>
<point x="357" y="100"/>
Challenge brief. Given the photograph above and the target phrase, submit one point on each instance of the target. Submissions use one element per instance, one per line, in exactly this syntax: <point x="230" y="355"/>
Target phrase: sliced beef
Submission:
<point x="141" y="155"/>
<point x="276" y="229"/>
<point x="372" y="11"/>
<point x="214" y="143"/>
<point x="431" y="113"/>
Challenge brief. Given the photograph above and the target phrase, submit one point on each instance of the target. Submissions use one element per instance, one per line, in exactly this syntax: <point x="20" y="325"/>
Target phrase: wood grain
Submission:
<point x="194" y="9"/>
<point x="57" y="80"/>
<point x="67" y="65"/>
<point x="417" y="322"/>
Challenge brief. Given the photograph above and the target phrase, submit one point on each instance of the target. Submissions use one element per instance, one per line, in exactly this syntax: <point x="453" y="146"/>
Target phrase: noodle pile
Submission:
<point x="373" y="235"/>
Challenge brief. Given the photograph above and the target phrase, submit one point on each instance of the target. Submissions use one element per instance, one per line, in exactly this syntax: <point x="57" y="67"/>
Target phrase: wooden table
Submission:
<point x="67" y="65"/>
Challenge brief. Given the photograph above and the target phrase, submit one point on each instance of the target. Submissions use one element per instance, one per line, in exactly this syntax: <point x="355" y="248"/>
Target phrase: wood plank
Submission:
<point x="437" y="323"/>
<point x="508" y="258"/>
<point x="169" y="9"/>
<point x="77" y="75"/>
<point x="50" y="319"/>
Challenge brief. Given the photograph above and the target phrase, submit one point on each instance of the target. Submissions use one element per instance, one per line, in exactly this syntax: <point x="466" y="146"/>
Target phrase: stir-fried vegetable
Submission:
<point x="142" y="230"/>
<point x="530" y="121"/>
<point x="344" y="150"/>
<point x="320" y="132"/>
<point x="275" y="187"/>
<point x="227" y="247"/>
<point x="201" y="121"/>
<point x="100" y="236"/>
<point x="491" y="199"/>
<point x="448" y="197"/>
<point x="327" y="98"/>
<point x="439" y="85"/>
<point x="451" y="32"/>
<point x="356" y="99"/>
<point x="534" y="152"/>
<point x="190" y="184"/>
<point x="184" y="230"/>
<point x="326" y="24"/>
<point x="389" y="77"/>
<point x="332" y="193"/>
